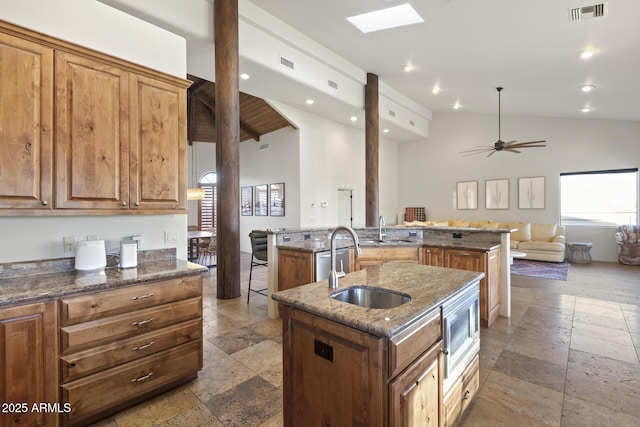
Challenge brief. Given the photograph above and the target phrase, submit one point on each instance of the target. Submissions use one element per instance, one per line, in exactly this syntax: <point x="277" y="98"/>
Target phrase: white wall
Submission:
<point x="430" y="168"/>
<point x="92" y="24"/>
<point x="332" y="157"/>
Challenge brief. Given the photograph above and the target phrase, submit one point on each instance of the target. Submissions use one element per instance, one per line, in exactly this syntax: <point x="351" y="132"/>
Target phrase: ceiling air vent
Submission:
<point x="392" y="113"/>
<point x="588" y="12"/>
<point x="332" y="84"/>
<point x="411" y="123"/>
<point x="264" y="147"/>
<point x="284" y="61"/>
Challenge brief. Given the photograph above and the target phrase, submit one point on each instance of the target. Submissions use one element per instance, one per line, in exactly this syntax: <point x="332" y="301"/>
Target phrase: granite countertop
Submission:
<point x="315" y="245"/>
<point x="429" y="287"/>
<point x="48" y="286"/>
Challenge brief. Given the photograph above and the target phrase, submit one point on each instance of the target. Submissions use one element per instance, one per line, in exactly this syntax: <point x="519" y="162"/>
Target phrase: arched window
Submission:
<point x="207" y="206"/>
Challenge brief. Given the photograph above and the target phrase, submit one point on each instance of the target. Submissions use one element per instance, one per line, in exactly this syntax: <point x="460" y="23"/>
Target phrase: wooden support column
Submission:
<point x="372" y="144"/>
<point x="227" y="112"/>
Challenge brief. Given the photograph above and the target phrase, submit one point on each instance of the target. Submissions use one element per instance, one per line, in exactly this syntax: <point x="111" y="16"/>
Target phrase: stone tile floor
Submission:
<point x="568" y="356"/>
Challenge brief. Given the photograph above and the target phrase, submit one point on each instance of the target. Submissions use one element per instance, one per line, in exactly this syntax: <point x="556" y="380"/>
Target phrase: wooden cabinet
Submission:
<point x="92" y="134"/>
<point x="295" y="268"/>
<point x="376" y="255"/>
<point x="158" y="126"/>
<point x="28" y="374"/>
<point x="337" y="375"/>
<point x="26" y="125"/>
<point x="487" y="262"/>
<point x="119" y="138"/>
<point x="433" y="256"/>
<point x="120" y="131"/>
<point x="415" y="396"/>
<point x="121" y="346"/>
<point x="461" y="394"/>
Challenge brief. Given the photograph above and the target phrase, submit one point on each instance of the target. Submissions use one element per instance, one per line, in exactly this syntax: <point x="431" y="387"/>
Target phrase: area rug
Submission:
<point x="545" y="270"/>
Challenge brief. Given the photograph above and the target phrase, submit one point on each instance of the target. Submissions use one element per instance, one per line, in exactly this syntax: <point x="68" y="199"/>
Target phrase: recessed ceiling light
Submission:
<point x="408" y="68"/>
<point x="457" y="105"/>
<point x="587" y="88"/>
<point x="385" y="130"/>
<point x="245" y="76"/>
<point x="586" y="109"/>
<point x="354" y="119"/>
<point x="587" y="53"/>
<point x="309" y="101"/>
<point x="435" y="90"/>
<point x="384" y="19"/>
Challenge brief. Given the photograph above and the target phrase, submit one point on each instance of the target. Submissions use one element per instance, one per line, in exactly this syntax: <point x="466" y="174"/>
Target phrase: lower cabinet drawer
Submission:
<point x="94" y="333"/>
<point x="80" y="364"/>
<point x="98" y="393"/>
<point x="409" y="344"/>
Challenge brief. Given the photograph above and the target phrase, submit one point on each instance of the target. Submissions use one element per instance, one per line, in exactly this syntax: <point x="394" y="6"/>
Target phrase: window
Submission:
<point x="207" y="206"/>
<point x="599" y="198"/>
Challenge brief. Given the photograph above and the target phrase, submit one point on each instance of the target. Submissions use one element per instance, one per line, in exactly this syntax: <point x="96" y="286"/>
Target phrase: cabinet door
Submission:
<point x="492" y="281"/>
<point x="295" y="268"/>
<point x="92" y="164"/>
<point x="433" y="256"/>
<point x="28" y="373"/>
<point x="26" y="120"/>
<point x="415" y="395"/>
<point x="158" y="144"/>
<point x="464" y="260"/>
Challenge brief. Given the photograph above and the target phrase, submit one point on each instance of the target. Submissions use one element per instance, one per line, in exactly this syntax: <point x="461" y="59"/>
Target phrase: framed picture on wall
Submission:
<point x="496" y="193"/>
<point x="467" y="195"/>
<point x="261" y="200"/>
<point x="531" y="192"/>
<point x="246" y="201"/>
<point x="276" y="199"/>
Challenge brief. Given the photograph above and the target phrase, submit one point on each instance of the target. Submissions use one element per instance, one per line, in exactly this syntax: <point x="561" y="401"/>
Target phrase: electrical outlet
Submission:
<point x="69" y="243"/>
<point x="170" y="236"/>
<point x="92" y="237"/>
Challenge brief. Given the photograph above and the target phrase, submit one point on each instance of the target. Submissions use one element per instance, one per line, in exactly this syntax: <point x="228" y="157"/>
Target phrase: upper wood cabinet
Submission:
<point x="26" y="121"/>
<point x="119" y="136"/>
<point x="92" y="134"/>
<point x="157" y="119"/>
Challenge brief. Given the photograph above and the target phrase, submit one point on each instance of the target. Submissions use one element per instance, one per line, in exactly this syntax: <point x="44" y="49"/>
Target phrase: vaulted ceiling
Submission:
<point x="257" y="118"/>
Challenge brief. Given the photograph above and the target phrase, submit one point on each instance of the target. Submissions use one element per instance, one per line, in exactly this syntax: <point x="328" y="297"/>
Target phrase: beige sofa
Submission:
<point x="541" y="242"/>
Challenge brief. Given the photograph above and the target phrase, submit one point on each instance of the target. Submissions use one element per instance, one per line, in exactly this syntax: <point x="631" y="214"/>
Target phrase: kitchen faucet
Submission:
<point x="380" y="225"/>
<point x="333" y="274"/>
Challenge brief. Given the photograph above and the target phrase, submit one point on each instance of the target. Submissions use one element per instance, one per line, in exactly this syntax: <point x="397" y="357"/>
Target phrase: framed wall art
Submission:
<point x="496" y="193"/>
<point x="531" y="192"/>
<point x="261" y="200"/>
<point x="246" y="201"/>
<point x="276" y="199"/>
<point x="467" y="195"/>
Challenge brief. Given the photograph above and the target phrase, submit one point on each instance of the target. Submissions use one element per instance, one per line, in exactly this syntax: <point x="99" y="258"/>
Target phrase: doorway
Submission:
<point x="345" y="207"/>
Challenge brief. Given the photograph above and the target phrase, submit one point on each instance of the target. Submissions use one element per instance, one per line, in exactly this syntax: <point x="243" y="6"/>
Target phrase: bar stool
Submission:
<point x="258" y="258"/>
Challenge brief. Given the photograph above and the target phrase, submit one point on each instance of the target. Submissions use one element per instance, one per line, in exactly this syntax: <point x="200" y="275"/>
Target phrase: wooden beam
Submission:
<point x="227" y="113"/>
<point x="372" y="148"/>
<point x="243" y="126"/>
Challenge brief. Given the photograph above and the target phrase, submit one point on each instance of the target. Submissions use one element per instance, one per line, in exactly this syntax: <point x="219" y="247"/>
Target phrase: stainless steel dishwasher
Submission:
<point x="323" y="262"/>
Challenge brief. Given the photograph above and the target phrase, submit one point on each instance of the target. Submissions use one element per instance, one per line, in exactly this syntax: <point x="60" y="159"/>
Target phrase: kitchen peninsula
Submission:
<point x="348" y="364"/>
<point x="476" y="249"/>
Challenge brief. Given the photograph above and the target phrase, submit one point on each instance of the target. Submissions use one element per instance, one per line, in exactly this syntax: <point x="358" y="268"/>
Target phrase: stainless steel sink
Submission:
<point x="369" y="297"/>
<point x="370" y="241"/>
<point x="396" y="241"/>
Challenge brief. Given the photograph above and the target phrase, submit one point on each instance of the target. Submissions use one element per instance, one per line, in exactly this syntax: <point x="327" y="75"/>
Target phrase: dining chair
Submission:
<point x="208" y="255"/>
<point x="258" y="258"/>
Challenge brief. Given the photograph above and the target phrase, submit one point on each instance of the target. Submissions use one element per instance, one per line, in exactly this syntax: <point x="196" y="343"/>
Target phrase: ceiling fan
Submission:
<point x="500" y="145"/>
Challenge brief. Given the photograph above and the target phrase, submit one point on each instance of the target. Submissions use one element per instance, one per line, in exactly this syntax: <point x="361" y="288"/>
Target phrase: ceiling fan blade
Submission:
<point x="484" y="148"/>
<point x="523" y="144"/>
<point x="492" y="153"/>
<point x="511" y="150"/>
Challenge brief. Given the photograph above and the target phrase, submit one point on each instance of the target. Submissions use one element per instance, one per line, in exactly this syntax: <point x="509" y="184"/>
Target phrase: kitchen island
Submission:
<point x="346" y="364"/>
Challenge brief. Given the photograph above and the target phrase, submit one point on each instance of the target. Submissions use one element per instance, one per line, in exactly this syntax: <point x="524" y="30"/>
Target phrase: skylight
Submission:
<point x="385" y="19"/>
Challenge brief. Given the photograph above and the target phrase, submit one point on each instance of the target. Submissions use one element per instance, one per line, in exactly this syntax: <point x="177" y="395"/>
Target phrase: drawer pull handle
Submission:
<point x="466" y="395"/>
<point x="143" y="347"/>
<point x="142" y="378"/>
<point x="142" y="297"/>
<point x="142" y="322"/>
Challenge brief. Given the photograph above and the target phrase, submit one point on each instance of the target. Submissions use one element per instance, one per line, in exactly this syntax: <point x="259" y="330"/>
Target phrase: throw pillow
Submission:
<point x="543" y="232"/>
<point x="459" y="223"/>
<point x="523" y="232"/>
